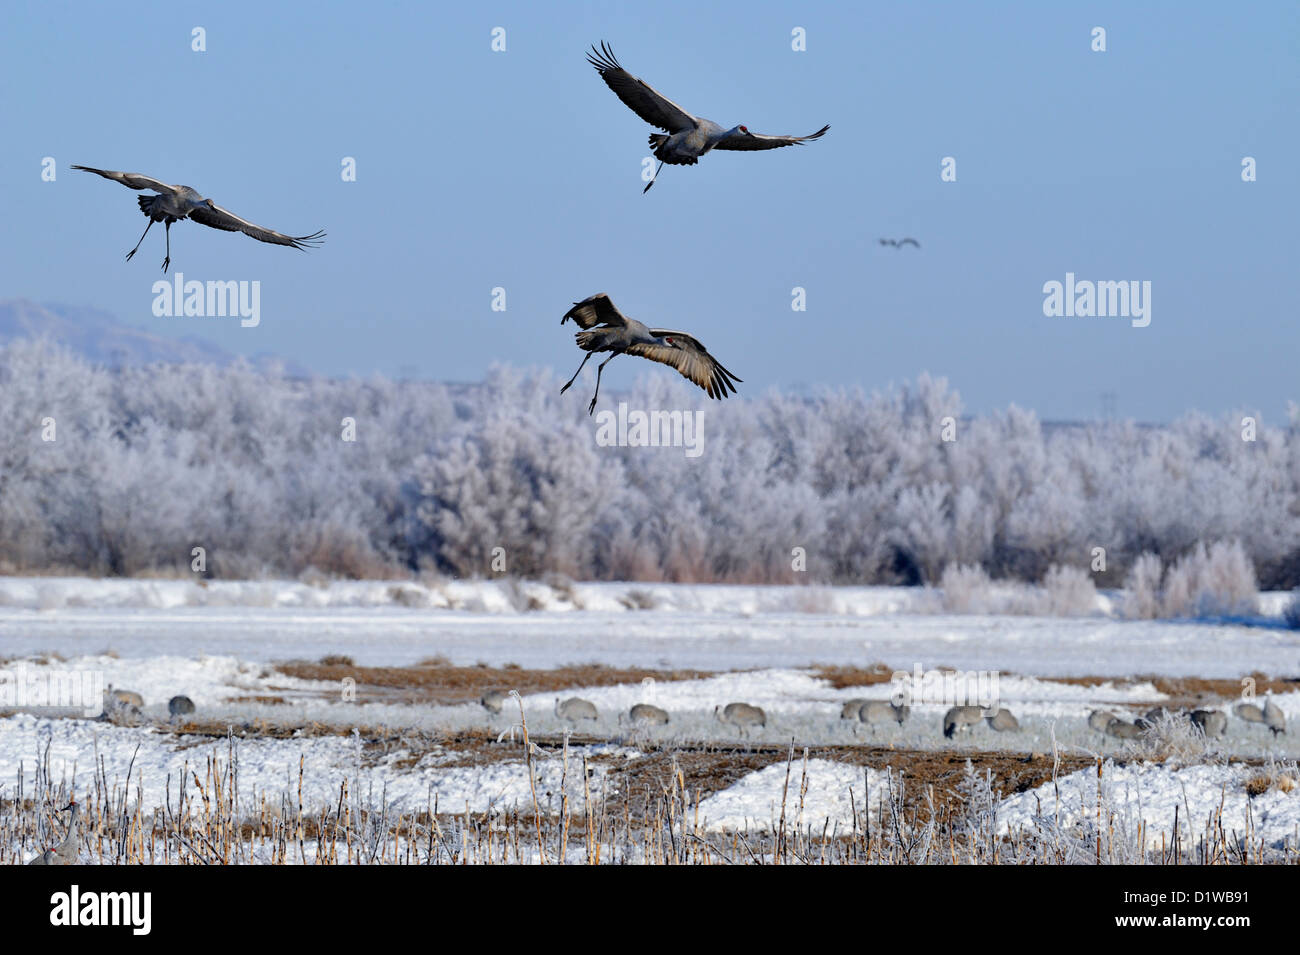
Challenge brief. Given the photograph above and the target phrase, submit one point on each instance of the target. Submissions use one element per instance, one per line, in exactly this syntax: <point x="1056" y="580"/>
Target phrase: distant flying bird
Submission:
<point x="610" y="330"/>
<point x="181" y="202"/>
<point x="899" y="243"/>
<point x="689" y="137"/>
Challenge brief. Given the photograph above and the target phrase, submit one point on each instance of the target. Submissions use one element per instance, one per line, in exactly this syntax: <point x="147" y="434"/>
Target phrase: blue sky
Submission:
<point x="521" y="170"/>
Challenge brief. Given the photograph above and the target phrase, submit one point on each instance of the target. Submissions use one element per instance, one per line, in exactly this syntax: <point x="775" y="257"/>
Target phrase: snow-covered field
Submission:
<point x="1149" y="795"/>
<point x="704" y="627"/>
<point x="217" y="644"/>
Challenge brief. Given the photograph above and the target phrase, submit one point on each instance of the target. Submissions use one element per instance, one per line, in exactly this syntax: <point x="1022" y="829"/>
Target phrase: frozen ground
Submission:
<point x="216" y="644"/>
<point x="818" y="794"/>
<point x="1133" y="798"/>
<point x="1149" y="794"/>
<point x="798" y="703"/>
<point x="161" y="764"/>
<point x="700" y="627"/>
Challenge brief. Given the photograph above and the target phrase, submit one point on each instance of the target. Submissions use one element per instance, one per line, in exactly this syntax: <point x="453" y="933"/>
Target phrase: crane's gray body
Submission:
<point x="960" y="719"/>
<point x="1100" y="719"/>
<point x="1003" y="721"/>
<point x="576" y="708"/>
<point x="684" y="148"/>
<point x="65" y="853"/>
<point x="741" y="715"/>
<point x="617" y="339"/>
<point x="174" y="203"/>
<point x="1122" y="729"/>
<point x="685" y="137"/>
<point x="606" y="329"/>
<point x="648" y="713"/>
<point x="1210" y="722"/>
<point x="874" y="712"/>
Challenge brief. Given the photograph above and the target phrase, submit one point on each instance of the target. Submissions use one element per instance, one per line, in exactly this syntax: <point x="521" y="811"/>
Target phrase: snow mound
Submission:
<point x="1149" y="795"/>
<point x="819" y="793"/>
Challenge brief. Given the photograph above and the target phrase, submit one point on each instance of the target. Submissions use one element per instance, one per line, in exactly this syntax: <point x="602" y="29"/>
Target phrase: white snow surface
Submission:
<point x="821" y="795"/>
<point x="269" y="767"/>
<point x="711" y="627"/>
<point x="1149" y="793"/>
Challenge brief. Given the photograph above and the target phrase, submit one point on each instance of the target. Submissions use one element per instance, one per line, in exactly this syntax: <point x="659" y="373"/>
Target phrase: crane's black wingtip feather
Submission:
<point x="603" y="59"/>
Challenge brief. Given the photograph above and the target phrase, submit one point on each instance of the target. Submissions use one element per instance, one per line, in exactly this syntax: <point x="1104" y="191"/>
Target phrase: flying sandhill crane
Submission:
<point x="688" y="137"/>
<point x="899" y="243"/>
<point x="608" y="329"/>
<point x="174" y="203"/>
<point x="65" y="853"/>
<point x="575" y="708"/>
<point x="741" y="715"/>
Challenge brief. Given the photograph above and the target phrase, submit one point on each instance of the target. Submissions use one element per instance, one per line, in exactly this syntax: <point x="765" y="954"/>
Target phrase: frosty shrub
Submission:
<point x="1142" y="588"/>
<point x="1175" y="739"/>
<point x="639" y="600"/>
<point x="1069" y="592"/>
<point x="1219" y="581"/>
<point x="966" y="589"/>
<point x="451" y="480"/>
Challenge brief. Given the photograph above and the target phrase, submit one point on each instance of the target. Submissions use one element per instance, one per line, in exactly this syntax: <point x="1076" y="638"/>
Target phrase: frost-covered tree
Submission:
<point x="260" y="469"/>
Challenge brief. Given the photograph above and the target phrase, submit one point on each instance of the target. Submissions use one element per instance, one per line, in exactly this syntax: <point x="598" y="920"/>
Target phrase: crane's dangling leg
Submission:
<point x="575" y="374"/>
<point x="653" y="178"/>
<point x="142" y="235"/>
<point x="591" y="409"/>
<point x="167" y="261"/>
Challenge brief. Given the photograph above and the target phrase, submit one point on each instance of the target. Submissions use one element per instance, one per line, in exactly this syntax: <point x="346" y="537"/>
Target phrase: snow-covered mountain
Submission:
<point x="98" y="336"/>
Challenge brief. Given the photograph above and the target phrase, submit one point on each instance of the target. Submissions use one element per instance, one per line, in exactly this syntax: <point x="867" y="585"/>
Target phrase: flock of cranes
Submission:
<point x="1209" y="723"/>
<point x="957" y="720"/>
<point x="746" y="717"/>
<point x="685" y="138"/>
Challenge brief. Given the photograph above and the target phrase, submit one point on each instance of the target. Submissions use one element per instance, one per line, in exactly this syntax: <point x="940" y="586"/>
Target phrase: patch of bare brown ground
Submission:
<point x="843" y="677"/>
<point x="437" y="681"/>
<point x="705" y="768"/>
<point x="925" y="773"/>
